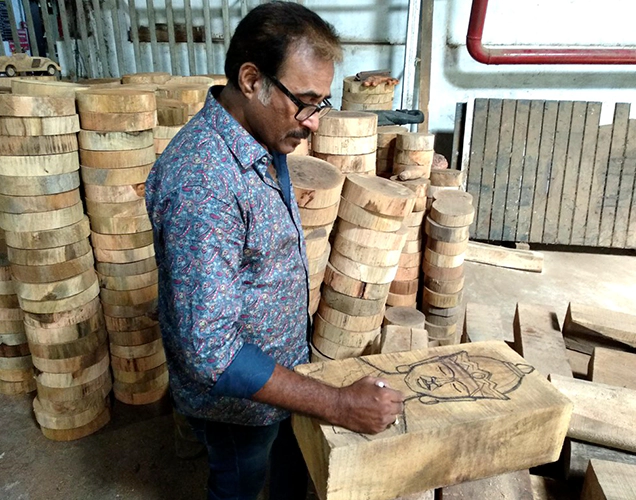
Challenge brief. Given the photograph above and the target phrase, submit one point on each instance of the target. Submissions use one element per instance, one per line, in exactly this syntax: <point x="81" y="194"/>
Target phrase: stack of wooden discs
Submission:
<point x="162" y="136"/>
<point x="447" y="228"/>
<point x="444" y="179"/>
<point x="157" y="77"/>
<point x="363" y="263"/>
<point x="357" y="97"/>
<point x="16" y="366"/>
<point x="191" y="94"/>
<point x="115" y="164"/>
<point x="317" y="187"/>
<point x="52" y="266"/>
<point x="413" y="155"/>
<point x="387" y="138"/>
<point x="171" y="113"/>
<point x="347" y="140"/>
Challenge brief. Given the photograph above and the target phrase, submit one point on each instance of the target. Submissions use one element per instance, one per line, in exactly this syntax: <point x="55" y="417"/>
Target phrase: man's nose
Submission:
<point x="311" y="123"/>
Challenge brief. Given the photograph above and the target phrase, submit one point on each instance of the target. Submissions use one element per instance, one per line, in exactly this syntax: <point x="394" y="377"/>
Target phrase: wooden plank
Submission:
<point x="612" y="367"/>
<point x="14" y="27"/>
<point x="577" y="456"/>
<point x="557" y="171"/>
<point x="155" y="63"/>
<point x="531" y="155"/>
<point x="425" y="56"/>
<point x="81" y="21"/>
<point x="630" y="166"/>
<point x="519" y="411"/>
<point x="524" y="260"/>
<point x="586" y="170"/>
<point x="484" y="211"/>
<point x="227" y="33"/>
<point x="113" y="5"/>
<point x="502" y="168"/>
<point x="515" y="178"/>
<point x="591" y="326"/>
<point x="69" y="53"/>
<point x="134" y="35"/>
<point x="542" y="182"/>
<point x="33" y="42"/>
<point x="538" y="339"/>
<point x="571" y="173"/>
<point x="609" y="481"/>
<point x="476" y="157"/>
<point x="579" y="362"/>
<point x="483" y="322"/>
<point x="511" y="486"/>
<point x="99" y="39"/>
<point x="459" y="130"/>
<point x="603" y="414"/>
<point x="626" y="189"/>
<point x="192" y="67"/>
<point x="613" y="179"/>
<point x="209" y="50"/>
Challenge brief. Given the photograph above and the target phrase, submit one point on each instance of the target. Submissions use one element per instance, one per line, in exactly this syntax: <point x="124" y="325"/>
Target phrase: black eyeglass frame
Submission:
<point x="322" y="109"/>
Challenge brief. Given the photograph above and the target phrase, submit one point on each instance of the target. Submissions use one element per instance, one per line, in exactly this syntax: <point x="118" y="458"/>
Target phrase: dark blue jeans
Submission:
<point x="239" y="456"/>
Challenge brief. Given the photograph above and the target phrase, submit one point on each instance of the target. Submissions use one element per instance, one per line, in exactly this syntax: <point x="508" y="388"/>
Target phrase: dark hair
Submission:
<point x="266" y="34"/>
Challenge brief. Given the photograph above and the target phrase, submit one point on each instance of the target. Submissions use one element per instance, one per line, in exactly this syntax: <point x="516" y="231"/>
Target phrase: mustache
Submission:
<point x="299" y="134"/>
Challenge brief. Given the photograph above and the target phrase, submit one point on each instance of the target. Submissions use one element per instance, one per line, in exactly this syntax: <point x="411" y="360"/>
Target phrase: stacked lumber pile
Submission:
<point x="52" y="265"/>
<point x="358" y="97"/>
<point x="385" y="153"/>
<point x="117" y="153"/>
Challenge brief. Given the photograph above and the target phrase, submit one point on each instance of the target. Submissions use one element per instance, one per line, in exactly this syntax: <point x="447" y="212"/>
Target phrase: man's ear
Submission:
<point x="249" y="79"/>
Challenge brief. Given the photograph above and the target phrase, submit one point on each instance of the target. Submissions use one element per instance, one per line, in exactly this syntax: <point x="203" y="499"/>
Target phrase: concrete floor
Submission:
<point x="133" y="457"/>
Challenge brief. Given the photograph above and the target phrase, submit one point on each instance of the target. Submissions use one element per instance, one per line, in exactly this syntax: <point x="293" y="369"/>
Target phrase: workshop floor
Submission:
<point x="133" y="457"/>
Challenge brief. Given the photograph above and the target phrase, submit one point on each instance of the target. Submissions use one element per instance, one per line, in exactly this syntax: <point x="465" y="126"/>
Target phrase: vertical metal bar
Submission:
<point x="99" y="38"/>
<point x="227" y="34"/>
<point x="190" y="37"/>
<point x="134" y="34"/>
<point x="85" y="52"/>
<point x="172" y="40"/>
<point x="209" y="47"/>
<point x="410" y="54"/>
<point x="152" y="28"/>
<point x="51" y="29"/>
<point x="244" y="8"/>
<point x="69" y="53"/>
<point x="33" y="40"/>
<point x="14" y="26"/>
<point x="119" y="46"/>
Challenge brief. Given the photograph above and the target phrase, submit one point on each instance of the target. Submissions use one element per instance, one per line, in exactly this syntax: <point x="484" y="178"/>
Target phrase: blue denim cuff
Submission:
<point x="250" y="369"/>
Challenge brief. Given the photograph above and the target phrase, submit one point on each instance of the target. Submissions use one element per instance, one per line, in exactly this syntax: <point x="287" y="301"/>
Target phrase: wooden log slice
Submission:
<point x="77" y="405"/>
<point x="414" y="233"/>
<point x="5" y="269"/>
<point x="11" y="314"/>
<point x="422" y="158"/>
<point x="39" y="145"/>
<point x="418" y="186"/>
<point x="145" y="376"/>
<point x="30" y="204"/>
<point x="362" y="98"/>
<point x="53" y="272"/>
<point x="441" y="300"/>
<point x="9" y="301"/>
<point x="317" y="184"/>
<point x="115" y="141"/>
<point x="129" y="282"/>
<point x="436" y="320"/>
<point x="62" y="319"/>
<point x="445" y="248"/>
<point x="452" y="213"/>
<point x="117" y="159"/>
<point x="149" y="308"/>
<point x="79" y="432"/>
<point x="137" y="351"/>
<point x="47" y="239"/>
<point x="362" y="272"/>
<point x="163" y="132"/>
<point x="118" y="122"/>
<point x="39" y="185"/>
<point x="351" y="305"/>
<point x="404" y="287"/>
<point x="115" y="176"/>
<point x="65" y="304"/>
<point x="82" y="346"/>
<point x="138" y="364"/>
<point x="47" y="256"/>
<point x="14" y="351"/>
<point x="344" y="337"/>
<point x="337" y="351"/>
<point x="407" y="273"/>
<point x="42" y="221"/>
<point x="314" y="302"/>
<point x="366" y="255"/>
<point x="413" y="246"/>
<point x="317" y="231"/>
<point x="120" y="225"/>
<point x="315" y="356"/>
<point x="116" y="100"/>
<point x="115" y="194"/>
<point x="23" y="105"/>
<point x="371" y="238"/>
<point x="145" y="382"/>
<point x="403" y="172"/>
<point x="350" y="164"/>
<point x="387" y="135"/>
<point x="399" y="300"/>
<point x="348" y="322"/>
<point x="360" y="217"/>
<point x="415" y="142"/>
<point x="56" y="290"/>
<point x="130" y="324"/>
<point x="120" y="209"/>
<point x="141" y="398"/>
<point x="36" y="126"/>
<point x="136" y="337"/>
<point x="318" y="216"/>
<point x="343" y="145"/>
<point x="379" y="196"/>
<point x="410" y="259"/>
<point x="129" y="297"/>
<point x="315" y="247"/>
<point x="441" y="260"/>
<point x="70" y="387"/>
<point x="11" y="328"/>
<point x="73" y="364"/>
<point x="438" y="332"/>
<point x="15" y="388"/>
<point x="352" y="287"/>
<point x="28" y="86"/>
<point x="315" y="280"/>
<point x="356" y="106"/>
<point x="65" y="334"/>
<point x="442" y="273"/>
<point x="7" y="288"/>
<point x="17" y="375"/>
<point x="35" y="166"/>
<point x="453" y="194"/>
<point x="132" y="268"/>
<point x="151" y="77"/>
<point x="124" y="256"/>
<point x="348" y="124"/>
<point x="404" y="316"/>
<point x="414" y="219"/>
<point x="317" y="265"/>
<point x="444" y="286"/>
<point x="171" y="112"/>
<point x="445" y="233"/>
<point x="446" y="177"/>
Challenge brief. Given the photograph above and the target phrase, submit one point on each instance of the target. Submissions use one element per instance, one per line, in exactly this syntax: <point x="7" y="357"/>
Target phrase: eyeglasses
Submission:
<point x="304" y="110"/>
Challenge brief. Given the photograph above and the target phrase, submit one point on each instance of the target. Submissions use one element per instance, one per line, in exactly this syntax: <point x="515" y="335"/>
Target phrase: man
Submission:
<point x="232" y="267"/>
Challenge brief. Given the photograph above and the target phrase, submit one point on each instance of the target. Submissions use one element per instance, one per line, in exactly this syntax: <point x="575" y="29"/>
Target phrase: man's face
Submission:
<point x="309" y="79"/>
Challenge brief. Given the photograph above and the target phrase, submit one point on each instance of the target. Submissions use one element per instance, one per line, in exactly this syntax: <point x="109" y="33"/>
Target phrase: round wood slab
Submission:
<point x="52" y="238"/>
<point x="378" y="195"/>
<point x="317" y="184"/>
<point x="23" y="105"/>
<point x="354" y="288"/>
<point x="327" y="144"/>
<point x="38" y="126"/>
<point x="452" y="213"/>
<point x="116" y="100"/>
<point x="39" y="185"/>
<point x="38" y="165"/>
<point x="348" y="124"/>
<point x="115" y="141"/>
<point x="118" y="122"/>
<point x="350" y="164"/>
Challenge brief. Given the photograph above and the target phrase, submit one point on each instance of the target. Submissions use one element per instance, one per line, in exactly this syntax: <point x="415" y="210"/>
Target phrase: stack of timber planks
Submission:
<point x="317" y="187"/>
<point x="385" y="153"/>
<point x="357" y="97"/>
<point x="347" y="140"/>
<point x="364" y="260"/>
<point x="52" y="265"/>
<point x="117" y="153"/>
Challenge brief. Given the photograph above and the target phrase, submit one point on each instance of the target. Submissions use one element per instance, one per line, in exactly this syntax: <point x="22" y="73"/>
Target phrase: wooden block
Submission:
<point x="603" y="414"/>
<point x="316" y="183"/>
<point x="519" y="410"/>
<point x="418" y="186"/>
<point x="371" y="238"/>
<point x="446" y="286"/>
<point x="360" y="271"/>
<point x="453" y="194"/>
<point x="349" y="164"/>
<point x="442" y="273"/>
<point x="117" y="159"/>
<point x="19" y="166"/>
<point x="348" y="124"/>
<point x="483" y="322"/>
<point x="397" y="338"/>
<point x="118" y="122"/>
<point x="343" y="145"/>
<point x="363" y="340"/>
<point x="116" y="100"/>
<point x="88" y="319"/>
<point x="120" y="209"/>
<point x="404" y="316"/>
<point x="387" y="135"/>
<point x="152" y="77"/>
<point x="445" y="248"/>
<point x="53" y="238"/>
<point x="415" y="142"/>
<point x="407" y="273"/>
<point x="78" y="432"/>
<point x="39" y="145"/>
<point x="401" y="300"/>
<point x="524" y="260"/>
<point x="511" y="486"/>
<point x="413" y="246"/>
<point x="414" y="219"/>
<point x="352" y="287"/>
<point x="351" y="305"/>
<point x="362" y="98"/>
<point x="579" y="362"/>
<point x="348" y="322"/>
<point x="24" y="86"/>
<point x="606" y="480"/>
<point x="48" y="256"/>
<point x="588" y="326"/>
<point x="444" y="233"/>
<point x="612" y="367"/>
<point x="84" y="345"/>
<point x="366" y="255"/>
<point x="318" y="216"/>
<point x="39" y="185"/>
<point x="131" y="324"/>
<point x="115" y="141"/>
<point x="15" y="388"/>
<point x="538" y="339"/>
<point x="42" y="221"/>
<point x="379" y="196"/>
<point x="66" y="365"/>
<point x="442" y="300"/>
<point x="140" y="267"/>
<point x="56" y="290"/>
<point x="352" y="85"/>
<point x="61" y="305"/>
<point x="138" y="364"/>
<point x="410" y="259"/>
<point x="315" y="246"/>
<point x="364" y="107"/>
<point x="318" y="264"/>
<point x="28" y="204"/>
<point x="115" y="194"/>
<point x="171" y="112"/>
<point x="442" y="260"/>
<point x="423" y="158"/>
<point x="360" y="217"/>
<point x="121" y="225"/>
<point x="446" y="177"/>
<point x="115" y="176"/>
<point x="577" y="456"/>
<point x="452" y="213"/>
<point x="23" y="105"/>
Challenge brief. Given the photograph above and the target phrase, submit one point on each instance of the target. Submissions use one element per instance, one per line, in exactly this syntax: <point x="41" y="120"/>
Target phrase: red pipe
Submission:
<point x="487" y="55"/>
